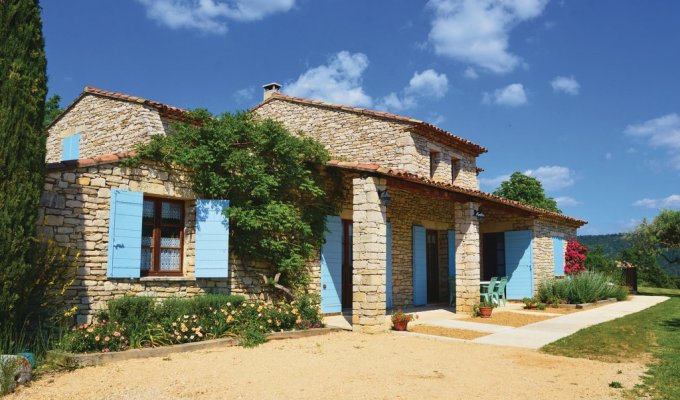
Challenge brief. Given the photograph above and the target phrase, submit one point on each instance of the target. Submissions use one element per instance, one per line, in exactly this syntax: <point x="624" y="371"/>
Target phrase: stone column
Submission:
<point x="370" y="257"/>
<point x="468" y="265"/>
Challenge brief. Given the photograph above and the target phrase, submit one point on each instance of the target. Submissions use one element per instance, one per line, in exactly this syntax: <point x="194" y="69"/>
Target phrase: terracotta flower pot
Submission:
<point x="399" y="325"/>
<point x="485" y="312"/>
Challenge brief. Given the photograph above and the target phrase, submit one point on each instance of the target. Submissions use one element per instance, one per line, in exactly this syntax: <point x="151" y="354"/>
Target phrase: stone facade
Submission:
<point x="407" y="209"/>
<point x="75" y="211"/>
<point x="467" y="257"/>
<point x="542" y="246"/>
<point x="364" y="138"/>
<point x="107" y="126"/>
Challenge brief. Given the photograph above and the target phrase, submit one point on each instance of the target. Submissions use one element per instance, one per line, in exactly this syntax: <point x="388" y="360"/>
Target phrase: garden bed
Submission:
<point x="90" y="359"/>
<point x="584" y="306"/>
<point x="509" y="319"/>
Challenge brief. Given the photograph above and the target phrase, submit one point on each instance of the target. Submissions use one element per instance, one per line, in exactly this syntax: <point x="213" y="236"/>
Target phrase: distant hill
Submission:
<point x="613" y="244"/>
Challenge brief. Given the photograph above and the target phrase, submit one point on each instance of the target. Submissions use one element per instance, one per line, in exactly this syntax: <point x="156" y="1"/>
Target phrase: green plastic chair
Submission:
<point x="486" y="294"/>
<point x="499" y="291"/>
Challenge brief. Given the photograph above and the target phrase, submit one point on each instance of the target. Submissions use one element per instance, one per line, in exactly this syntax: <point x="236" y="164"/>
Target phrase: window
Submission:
<point x="162" y="236"/>
<point x="70" y="147"/>
<point x="433" y="163"/>
<point x="455" y="169"/>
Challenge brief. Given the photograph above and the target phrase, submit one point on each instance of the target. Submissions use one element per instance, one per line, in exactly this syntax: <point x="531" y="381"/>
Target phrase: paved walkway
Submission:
<point x="537" y="335"/>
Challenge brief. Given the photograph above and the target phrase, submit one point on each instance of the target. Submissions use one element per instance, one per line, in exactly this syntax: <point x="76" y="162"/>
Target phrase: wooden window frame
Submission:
<point x="154" y="269"/>
<point x="455" y="169"/>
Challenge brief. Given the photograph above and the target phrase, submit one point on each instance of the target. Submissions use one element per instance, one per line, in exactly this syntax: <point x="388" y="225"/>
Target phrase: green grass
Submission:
<point x="651" y="336"/>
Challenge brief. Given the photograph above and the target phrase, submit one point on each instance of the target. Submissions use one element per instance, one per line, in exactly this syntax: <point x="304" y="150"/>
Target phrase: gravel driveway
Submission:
<point x="344" y="365"/>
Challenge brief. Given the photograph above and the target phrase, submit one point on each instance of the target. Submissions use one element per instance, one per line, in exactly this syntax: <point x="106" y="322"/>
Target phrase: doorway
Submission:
<point x="347" y="269"/>
<point x="432" y="257"/>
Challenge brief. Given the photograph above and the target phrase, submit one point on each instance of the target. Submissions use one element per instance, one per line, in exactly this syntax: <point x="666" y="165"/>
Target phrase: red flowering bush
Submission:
<point x="400" y="316"/>
<point x="574" y="258"/>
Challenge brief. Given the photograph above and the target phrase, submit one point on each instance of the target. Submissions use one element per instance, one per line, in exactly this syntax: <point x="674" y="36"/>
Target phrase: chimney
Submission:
<point x="270" y="89"/>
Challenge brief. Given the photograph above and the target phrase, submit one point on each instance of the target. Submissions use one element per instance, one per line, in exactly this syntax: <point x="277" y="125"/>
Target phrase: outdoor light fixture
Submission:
<point x="385" y="197"/>
<point x="480" y="215"/>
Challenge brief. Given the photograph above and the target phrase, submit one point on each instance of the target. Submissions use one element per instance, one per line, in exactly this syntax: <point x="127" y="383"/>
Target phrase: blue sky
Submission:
<point x="584" y="95"/>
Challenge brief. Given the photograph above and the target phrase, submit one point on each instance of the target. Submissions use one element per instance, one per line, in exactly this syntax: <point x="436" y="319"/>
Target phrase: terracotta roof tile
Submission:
<point x="454" y="188"/>
<point x="165" y="110"/>
<point x="88" y="162"/>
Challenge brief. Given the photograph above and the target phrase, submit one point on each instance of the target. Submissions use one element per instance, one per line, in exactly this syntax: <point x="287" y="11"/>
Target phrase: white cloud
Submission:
<point x="565" y="84"/>
<point x="339" y="81"/>
<point x="477" y="31"/>
<point x="244" y="95"/>
<point x="672" y="201"/>
<point x="662" y="133"/>
<point x="566" y="201"/>
<point x="512" y="96"/>
<point x="553" y="177"/>
<point x="211" y="16"/>
<point x="428" y="84"/>
<point x="495" y="182"/>
<point x="470" y="73"/>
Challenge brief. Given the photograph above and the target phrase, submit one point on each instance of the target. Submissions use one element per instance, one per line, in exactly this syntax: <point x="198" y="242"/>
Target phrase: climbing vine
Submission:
<point x="279" y="191"/>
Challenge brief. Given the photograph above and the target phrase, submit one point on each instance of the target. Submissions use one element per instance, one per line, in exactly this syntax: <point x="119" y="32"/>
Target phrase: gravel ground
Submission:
<point x="344" y="365"/>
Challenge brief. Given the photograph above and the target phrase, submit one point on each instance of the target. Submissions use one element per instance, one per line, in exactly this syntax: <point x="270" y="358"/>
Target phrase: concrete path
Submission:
<point x="539" y="334"/>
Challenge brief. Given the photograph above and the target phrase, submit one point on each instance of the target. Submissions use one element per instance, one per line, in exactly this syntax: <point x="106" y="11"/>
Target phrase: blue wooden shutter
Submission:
<point x="388" y="272"/>
<point x="212" y="239"/>
<point x="452" y="252"/>
<point x="558" y="255"/>
<point x="125" y="234"/>
<point x="70" y="147"/>
<point x="331" y="267"/>
<point x="519" y="264"/>
<point x="419" y="266"/>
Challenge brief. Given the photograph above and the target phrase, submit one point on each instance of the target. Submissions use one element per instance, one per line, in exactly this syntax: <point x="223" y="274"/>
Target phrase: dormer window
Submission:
<point x="433" y="163"/>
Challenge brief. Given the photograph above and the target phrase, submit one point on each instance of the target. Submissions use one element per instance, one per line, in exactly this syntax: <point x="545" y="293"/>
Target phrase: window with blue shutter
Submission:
<point x="331" y="266"/>
<point x="70" y="147"/>
<point x="212" y="239"/>
<point x="125" y="234"/>
<point x="558" y="255"/>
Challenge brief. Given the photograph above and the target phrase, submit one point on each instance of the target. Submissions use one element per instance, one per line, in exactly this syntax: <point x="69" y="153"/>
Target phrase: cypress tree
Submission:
<point x="23" y="86"/>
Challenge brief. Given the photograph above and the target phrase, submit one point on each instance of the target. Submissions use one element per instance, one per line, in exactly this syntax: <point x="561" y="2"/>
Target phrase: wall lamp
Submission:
<point x="480" y="215"/>
<point x="385" y="197"/>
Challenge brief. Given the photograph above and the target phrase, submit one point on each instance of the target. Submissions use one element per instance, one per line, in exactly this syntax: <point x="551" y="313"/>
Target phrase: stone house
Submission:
<point x="413" y="219"/>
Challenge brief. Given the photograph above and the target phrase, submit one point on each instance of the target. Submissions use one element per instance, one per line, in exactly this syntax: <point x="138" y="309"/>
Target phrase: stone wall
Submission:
<point x="407" y="209"/>
<point x="359" y="137"/>
<point x="467" y="257"/>
<point x="370" y="258"/>
<point x="107" y="126"/>
<point x="75" y="211"/>
<point x="543" y="251"/>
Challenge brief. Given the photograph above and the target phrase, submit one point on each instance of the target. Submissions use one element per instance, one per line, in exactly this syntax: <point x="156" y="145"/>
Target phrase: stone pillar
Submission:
<point x="370" y="256"/>
<point x="468" y="265"/>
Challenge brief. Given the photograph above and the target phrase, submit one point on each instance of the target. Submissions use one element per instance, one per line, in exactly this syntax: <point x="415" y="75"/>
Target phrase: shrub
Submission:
<point x="585" y="287"/>
<point x="195" y="319"/>
<point x="575" y="258"/>
<point x="99" y="336"/>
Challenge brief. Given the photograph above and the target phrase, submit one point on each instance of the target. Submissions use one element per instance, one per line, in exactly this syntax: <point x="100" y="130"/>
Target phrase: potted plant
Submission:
<point x="400" y="320"/>
<point x="484" y="309"/>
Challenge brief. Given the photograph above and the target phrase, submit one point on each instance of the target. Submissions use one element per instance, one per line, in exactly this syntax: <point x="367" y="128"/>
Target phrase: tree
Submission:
<point x="651" y="241"/>
<point x="23" y="88"/>
<point x="597" y="260"/>
<point x="526" y="190"/>
<point x="279" y="193"/>
<point x="52" y="110"/>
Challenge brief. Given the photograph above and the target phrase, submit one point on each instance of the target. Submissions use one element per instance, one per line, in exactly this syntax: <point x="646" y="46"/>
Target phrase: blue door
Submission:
<point x="331" y="267"/>
<point x="388" y="272"/>
<point x="519" y="264"/>
<point x="558" y="256"/>
<point x="419" y="266"/>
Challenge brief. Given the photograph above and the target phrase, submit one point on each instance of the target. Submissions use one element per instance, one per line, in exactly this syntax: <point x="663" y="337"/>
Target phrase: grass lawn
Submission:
<point x="651" y="336"/>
